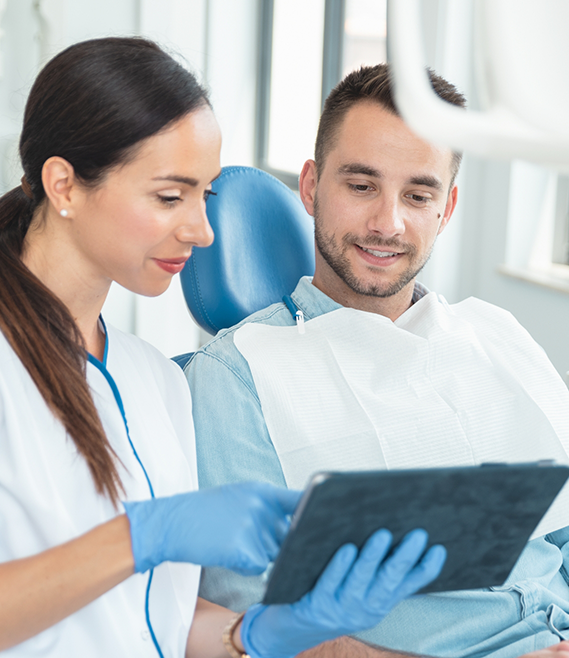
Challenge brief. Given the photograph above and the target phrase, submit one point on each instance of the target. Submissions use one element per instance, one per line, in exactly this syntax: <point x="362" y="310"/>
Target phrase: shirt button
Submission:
<point x="145" y="634"/>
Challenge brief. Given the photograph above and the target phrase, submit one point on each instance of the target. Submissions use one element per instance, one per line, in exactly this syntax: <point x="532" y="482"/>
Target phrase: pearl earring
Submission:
<point x="63" y="212"/>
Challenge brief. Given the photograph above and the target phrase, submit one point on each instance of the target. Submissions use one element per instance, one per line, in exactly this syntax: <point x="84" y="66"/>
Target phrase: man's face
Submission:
<point x="381" y="200"/>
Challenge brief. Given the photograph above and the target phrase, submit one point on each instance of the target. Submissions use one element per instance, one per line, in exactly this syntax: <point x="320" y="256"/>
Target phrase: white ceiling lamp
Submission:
<point x="522" y="50"/>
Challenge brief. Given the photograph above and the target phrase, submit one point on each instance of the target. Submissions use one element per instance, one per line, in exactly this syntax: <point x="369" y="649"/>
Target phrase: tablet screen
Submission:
<point x="483" y="515"/>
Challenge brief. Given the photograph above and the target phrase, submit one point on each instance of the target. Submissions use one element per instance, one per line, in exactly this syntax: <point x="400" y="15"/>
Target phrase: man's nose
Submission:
<point x="387" y="218"/>
<point x="196" y="228"/>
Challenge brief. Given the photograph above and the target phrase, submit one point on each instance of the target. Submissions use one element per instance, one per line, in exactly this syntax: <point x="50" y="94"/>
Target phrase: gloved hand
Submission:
<point x="238" y="526"/>
<point x="352" y="594"/>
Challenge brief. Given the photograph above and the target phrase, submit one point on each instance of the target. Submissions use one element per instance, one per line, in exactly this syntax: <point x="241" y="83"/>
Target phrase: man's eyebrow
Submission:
<point x="427" y="181"/>
<point x="359" y="168"/>
<point x="366" y="170"/>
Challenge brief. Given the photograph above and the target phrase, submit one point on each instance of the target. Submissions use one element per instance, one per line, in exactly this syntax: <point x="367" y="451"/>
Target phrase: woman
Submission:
<point x="119" y="147"/>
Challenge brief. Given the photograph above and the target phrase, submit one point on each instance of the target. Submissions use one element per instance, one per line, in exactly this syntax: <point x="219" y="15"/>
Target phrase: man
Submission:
<point x="379" y="196"/>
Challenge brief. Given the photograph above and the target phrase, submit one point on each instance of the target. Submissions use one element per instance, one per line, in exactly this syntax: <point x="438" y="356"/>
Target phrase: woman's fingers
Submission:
<point x="405" y="572"/>
<point x="356" y="591"/>
<point x="288" y="499"/>
<point x="364" y="570"/>
<point x="271" y="521"/>
<point x="275" y="522"/>
<point x="423" y="573"/>
<point x="404" y="558"/>
<point x="335" y="572"/>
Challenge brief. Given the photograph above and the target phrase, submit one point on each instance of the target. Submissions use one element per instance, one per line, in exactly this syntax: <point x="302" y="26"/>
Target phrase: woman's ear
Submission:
<point x="59" y="182"/>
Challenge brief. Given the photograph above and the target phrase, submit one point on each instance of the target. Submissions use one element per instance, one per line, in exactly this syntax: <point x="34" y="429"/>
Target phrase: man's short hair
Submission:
<point x="371" y="83"/>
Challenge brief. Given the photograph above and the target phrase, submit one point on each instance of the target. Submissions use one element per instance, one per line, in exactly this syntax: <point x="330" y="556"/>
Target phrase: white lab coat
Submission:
<point x="47" y="495"/>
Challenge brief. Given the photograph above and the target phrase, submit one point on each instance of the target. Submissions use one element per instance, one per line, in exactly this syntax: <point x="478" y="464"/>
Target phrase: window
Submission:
<point x="537" y="244"/>
<point x="365" y="33"/>
<point x="306" y="47"/>
<point x="295" y="82"/>
<point x="560" y="254"/>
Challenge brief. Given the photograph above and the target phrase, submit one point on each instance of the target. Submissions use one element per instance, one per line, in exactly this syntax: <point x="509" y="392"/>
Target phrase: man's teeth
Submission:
<point x="380" y="254"/>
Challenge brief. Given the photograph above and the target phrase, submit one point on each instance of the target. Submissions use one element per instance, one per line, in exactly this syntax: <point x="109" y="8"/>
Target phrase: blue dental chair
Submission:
<point x="264" y="243"/>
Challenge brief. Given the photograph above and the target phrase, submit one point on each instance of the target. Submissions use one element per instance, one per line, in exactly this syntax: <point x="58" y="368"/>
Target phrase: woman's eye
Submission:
<point x="169" y="201"/>
<point x="208" y="193"/>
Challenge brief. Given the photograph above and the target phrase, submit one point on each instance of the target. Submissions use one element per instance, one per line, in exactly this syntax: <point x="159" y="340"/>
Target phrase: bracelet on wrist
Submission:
<point x="227" y="637"/>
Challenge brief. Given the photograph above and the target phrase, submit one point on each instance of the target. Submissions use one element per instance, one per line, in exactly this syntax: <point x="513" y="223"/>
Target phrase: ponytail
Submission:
<point x="92" y="105"/>
<point x="47" y="341"/>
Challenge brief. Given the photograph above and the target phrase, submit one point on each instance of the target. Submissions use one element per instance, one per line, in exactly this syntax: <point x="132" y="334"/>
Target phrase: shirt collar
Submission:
<point x="419" y="292"/>
<point x="313" y="302"/>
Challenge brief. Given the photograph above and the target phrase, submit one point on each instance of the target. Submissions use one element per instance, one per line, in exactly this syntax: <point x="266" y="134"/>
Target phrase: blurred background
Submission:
<point x="268" y="65"/>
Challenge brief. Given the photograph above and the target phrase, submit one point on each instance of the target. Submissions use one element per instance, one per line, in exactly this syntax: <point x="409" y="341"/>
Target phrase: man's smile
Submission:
<point x="380" y="254"/>
<point x="378" y="258"/>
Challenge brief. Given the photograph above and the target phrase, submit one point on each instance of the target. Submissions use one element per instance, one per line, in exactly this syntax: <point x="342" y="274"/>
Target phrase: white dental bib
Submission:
<point x="441" y="386"/>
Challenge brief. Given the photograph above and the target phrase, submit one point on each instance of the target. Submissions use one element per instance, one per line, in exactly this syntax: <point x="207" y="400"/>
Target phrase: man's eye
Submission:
<point x="359" y="187"/>
<point x="208" y="193"/>
<point x="418" y="198"/>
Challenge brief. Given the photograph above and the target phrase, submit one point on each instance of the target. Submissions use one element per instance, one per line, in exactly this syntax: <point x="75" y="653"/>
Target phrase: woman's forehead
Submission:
<point x="188" y="148"/>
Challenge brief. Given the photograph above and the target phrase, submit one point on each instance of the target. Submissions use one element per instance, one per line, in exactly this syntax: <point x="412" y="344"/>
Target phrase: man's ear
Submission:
<point x="307" y="185"/>
<point x="59" y="182"/>
<point x="449" y="209"/>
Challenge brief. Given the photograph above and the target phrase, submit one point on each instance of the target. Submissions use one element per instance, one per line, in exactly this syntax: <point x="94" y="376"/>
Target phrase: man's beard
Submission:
<point x="334" y="255"/>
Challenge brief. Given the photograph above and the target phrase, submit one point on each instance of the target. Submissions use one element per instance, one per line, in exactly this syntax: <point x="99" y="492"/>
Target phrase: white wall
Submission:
<point x="544" y="312"/>
<point x="231" y="75"/>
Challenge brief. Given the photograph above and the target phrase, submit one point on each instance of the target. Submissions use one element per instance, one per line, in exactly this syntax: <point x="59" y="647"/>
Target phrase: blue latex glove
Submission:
<point x="353" y="594"/>
<point x="238" y="526"/>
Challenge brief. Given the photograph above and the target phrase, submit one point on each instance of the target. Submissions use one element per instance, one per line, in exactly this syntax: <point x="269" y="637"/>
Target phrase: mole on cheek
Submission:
<point x="439" y="216"/>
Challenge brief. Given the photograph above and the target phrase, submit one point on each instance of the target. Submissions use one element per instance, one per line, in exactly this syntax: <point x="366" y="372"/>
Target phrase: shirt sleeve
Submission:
<point x="560" y="538"/>
<point x="233" y="445"/>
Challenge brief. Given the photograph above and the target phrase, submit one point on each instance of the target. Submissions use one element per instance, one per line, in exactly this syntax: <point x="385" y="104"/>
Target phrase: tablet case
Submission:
<point x="483" y="515"/>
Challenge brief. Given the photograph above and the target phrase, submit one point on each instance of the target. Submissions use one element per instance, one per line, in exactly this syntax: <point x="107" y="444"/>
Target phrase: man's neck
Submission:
<point x="391" y="307"/>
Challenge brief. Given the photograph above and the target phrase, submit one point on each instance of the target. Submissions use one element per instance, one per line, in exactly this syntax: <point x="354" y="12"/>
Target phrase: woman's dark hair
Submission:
<point x="92" y="104"/>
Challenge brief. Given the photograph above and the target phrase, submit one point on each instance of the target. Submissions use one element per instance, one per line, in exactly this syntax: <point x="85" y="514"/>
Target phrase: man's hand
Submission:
<point x="348" y="647"/>
<point x="560" y="650"/>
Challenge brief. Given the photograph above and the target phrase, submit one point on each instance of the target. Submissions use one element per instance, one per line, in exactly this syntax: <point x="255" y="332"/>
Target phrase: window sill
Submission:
<point x="555" y="277"/>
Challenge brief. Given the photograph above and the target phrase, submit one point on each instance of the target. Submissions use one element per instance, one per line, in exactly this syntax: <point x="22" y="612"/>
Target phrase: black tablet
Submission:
<point x="483" y="515"/>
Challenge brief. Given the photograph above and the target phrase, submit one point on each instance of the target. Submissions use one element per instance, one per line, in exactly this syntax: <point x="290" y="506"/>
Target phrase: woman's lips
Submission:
<point x="171" y="265"/>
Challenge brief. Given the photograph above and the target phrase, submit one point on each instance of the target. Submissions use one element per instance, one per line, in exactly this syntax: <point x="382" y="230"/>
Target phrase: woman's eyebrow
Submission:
<point x="192" y="182"/>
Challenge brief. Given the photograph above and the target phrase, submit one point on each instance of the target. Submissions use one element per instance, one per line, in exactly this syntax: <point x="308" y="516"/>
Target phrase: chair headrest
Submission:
<point x="264" y="243"/>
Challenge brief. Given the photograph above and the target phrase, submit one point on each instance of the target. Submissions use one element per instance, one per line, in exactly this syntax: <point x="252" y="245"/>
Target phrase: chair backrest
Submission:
<point x="264" y="243"/>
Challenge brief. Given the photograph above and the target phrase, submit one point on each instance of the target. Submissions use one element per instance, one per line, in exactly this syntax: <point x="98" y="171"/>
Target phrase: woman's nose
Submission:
<point x="196" y="229"/>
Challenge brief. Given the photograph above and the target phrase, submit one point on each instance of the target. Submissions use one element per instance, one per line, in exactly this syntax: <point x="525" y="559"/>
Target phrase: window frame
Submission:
<point x="332" y="58"/>
<point x="560" y="251"/>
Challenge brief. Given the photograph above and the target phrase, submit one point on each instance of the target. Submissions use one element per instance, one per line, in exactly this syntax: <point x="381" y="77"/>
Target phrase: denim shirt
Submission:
<point x="529" y="612"/>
